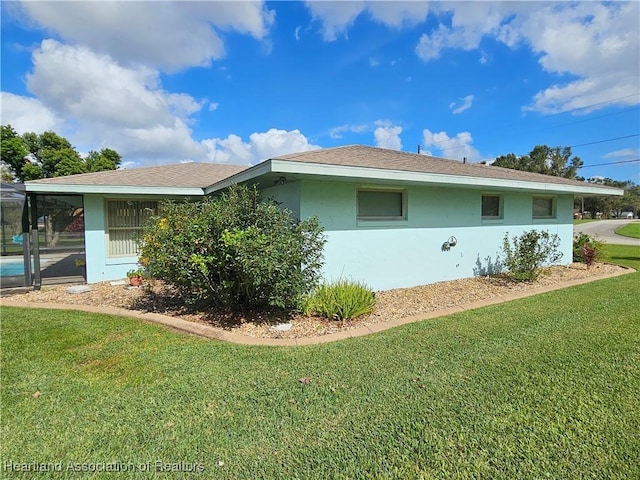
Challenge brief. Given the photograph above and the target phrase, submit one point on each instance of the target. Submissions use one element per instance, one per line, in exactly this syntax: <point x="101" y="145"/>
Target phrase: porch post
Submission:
<point x="35" y="242"/>
<point x="26" y="242"/>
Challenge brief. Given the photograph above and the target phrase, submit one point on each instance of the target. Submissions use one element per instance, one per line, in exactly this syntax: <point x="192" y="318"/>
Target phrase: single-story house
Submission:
<point x="392" y="219"/>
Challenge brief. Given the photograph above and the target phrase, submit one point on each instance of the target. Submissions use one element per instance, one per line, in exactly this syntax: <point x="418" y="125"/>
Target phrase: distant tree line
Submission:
<point x="558" y="161"/>
<point x="32" y="156"/>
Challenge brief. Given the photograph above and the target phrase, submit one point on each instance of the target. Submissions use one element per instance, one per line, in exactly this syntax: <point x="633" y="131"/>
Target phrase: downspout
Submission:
<point x="35" y="242"/>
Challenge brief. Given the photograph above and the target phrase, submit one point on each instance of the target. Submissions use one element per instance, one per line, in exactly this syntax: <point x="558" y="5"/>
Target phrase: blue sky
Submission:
<point x="239" y="82"/>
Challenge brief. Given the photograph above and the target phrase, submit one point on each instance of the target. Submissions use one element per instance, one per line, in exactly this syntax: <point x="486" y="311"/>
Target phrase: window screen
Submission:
<point x="380" y="204"/>
<point x="543" y="207"/>
<point x="491" y="206"/>
<point x="124" y="221"/>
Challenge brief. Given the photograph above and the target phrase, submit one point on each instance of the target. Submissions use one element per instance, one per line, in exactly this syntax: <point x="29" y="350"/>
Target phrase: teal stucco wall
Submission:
<point x="101" y="267"/>
<point x="404" y="253"/>
<point x="384" y="254"/>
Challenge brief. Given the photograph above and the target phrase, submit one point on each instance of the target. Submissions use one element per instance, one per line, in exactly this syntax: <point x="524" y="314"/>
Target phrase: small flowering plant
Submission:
<point x="138" y="272"/>
<point x="135" y="276"/>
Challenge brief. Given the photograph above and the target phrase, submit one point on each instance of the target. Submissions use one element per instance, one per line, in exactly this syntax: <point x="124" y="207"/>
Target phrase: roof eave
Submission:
<point x="406" y="177"/>
<point x="112" y="189"/>
<point x="247" y="175"/>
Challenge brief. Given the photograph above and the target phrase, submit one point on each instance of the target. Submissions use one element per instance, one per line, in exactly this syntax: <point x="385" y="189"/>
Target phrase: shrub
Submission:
<point x="233" y="251"/>
<point x="589" y="255"/>
<point x="340" y="300"/>
<point x="582" y="239"/>
<point x="530" y="251"/>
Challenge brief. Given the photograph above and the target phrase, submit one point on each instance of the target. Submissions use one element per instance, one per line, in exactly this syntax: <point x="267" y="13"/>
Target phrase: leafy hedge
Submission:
<point x="234" y="251"/>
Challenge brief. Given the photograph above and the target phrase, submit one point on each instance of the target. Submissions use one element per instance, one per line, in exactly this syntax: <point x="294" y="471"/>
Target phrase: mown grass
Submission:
<point x="578" y="221"/>
<point x="629" y="230"/>
<point x="543" y="387"/>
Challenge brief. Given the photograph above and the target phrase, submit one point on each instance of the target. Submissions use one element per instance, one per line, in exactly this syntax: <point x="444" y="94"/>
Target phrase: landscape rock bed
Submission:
<point x="390" y="304"/>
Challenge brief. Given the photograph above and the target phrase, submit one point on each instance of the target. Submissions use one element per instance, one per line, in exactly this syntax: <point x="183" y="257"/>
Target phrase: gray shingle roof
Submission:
<point x="382" y="158"/>
<point x="183" y="175"/>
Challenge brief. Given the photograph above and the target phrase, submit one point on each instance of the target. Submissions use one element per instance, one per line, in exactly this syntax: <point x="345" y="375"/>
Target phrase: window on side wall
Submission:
<point x="544" y="207"/>
<point x="491" y="207"/>
<point x="124" y="221"/>
<point x="381" y="205"/>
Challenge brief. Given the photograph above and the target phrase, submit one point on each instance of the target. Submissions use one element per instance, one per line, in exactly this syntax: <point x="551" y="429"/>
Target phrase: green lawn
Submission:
<point x="630" y="230"/>
<point x="584" y="220"/>
<point x="543" y="387"/>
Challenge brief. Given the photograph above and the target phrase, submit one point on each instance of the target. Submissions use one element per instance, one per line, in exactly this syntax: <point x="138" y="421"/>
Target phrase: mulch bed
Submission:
<point x="390" y="304"/>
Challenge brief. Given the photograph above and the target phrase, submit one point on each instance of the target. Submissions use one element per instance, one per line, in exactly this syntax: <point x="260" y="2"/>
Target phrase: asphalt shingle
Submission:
<point x="183" y="175"/>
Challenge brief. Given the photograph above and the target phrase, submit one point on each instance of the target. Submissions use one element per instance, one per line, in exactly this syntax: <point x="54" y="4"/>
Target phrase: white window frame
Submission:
<point x="550" y="198"/>
<point x="126" y="247"/>
<point x="500" y="198"/>
<point x="377" y="218"/>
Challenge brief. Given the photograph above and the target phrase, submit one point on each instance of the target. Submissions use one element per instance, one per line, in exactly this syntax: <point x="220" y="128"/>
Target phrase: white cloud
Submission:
<point x="470" y="21"/>
<point x="455" y="148"/>
<point x="79" y="83"/>
<point x="387" y="135"/>
<point x="398" y="13"/>
<point x="27" y="114"/>
<point x="465" y="104"/>
<point x="625" y="152"/>
<point x="337" y="17"/>
<point x="603" y="53"/>
<point x="260" y="146"/>
<point x="106" y="104"/>
<point x="166" y="35"/>
<point x="597" y="43"/>
<point x="337" y="132"/>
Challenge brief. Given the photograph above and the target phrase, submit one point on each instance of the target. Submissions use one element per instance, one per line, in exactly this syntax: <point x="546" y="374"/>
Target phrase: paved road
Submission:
<point x="604" y="230"/>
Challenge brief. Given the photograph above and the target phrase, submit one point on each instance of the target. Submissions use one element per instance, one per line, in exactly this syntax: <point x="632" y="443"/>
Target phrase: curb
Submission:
<point x="215" y="333"/>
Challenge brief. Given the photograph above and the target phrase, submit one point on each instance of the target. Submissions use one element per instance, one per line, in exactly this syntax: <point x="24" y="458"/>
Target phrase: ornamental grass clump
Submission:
<point x="235" y="251"/>
<point x="340" y="300"/>
<point x="524" y="256"/>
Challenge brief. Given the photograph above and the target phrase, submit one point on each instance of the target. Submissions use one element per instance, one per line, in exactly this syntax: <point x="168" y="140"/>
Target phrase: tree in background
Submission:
<point x="105" y="159"/>
<point x="611" y="205"/>
<point x="32" y="156"/>
<point x="543" y="159"/>
<point x="13" y="151"/>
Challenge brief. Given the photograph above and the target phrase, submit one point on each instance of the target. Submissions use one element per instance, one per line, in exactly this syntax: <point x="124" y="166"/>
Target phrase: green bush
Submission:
<point x="531" y="251"/>
<point x="233" y="251"/>
<point x="579" y="240"/>
<point x="340" y="300"/>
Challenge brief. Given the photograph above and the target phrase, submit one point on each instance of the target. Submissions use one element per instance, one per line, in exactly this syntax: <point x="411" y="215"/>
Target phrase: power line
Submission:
<point x="611" y="163"/>
<point x="594" y="104"/>
<point x="583" y="120"/>
<point x="560" y="113"/>
<point x="594" y="142"/>
<point x="604" y="141"/>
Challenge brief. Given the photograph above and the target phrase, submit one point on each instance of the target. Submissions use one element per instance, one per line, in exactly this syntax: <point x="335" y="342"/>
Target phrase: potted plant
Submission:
<point x="135" y="277"/>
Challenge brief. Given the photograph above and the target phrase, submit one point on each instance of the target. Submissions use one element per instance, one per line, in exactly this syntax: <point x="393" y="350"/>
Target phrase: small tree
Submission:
<point x="234" y="251"/>
<point x="530" y="251"/>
